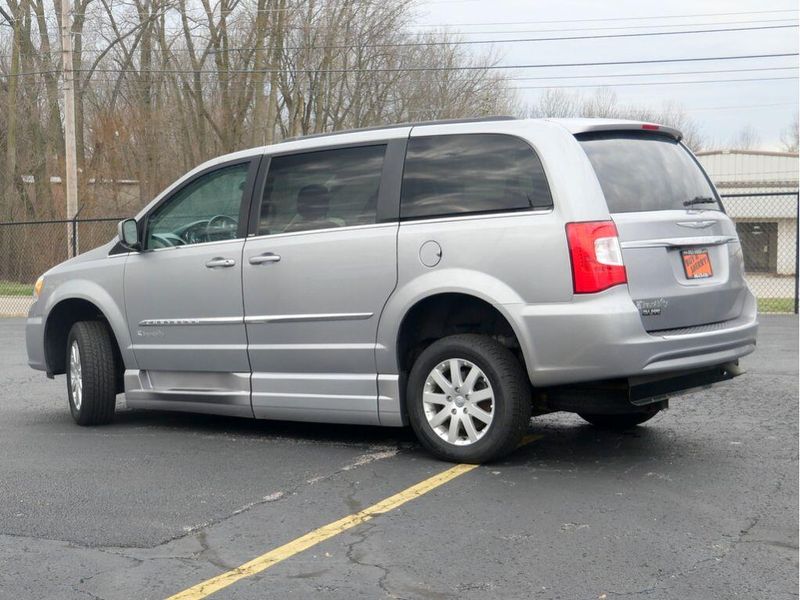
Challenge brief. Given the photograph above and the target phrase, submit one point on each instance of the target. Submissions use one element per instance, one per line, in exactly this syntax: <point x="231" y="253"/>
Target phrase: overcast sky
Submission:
<point x="721" y="109"/>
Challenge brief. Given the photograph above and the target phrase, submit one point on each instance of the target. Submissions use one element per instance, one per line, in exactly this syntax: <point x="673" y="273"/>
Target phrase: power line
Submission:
<point x="752" y="25"/>
<point x="659" y="74"/>
<point x="321" y="26"/>
<point x="518" y="40"/>
<point x="474" y="67"/>
<point x="755" y="23"/>
<point x="684" y="16"/>
<point x="643" y="83"/>
<point x="433" y="69"/>
<point x="511" y="79"/>
<point x="741" y="106"/>
<point x="614" y="28"/>
<point x="241" y="86"/>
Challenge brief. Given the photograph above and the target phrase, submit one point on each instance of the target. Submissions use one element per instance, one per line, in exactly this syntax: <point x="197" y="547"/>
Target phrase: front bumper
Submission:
<point x="601" y="337"/>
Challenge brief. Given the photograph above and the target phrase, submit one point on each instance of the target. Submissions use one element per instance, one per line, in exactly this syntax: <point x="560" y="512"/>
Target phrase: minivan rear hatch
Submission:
<point x="681" y="252"/>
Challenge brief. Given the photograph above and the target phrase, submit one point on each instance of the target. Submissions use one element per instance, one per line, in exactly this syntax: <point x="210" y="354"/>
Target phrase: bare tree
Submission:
<point x="162" y="85"/>
<point x="790" y="135"/>
<point x="746" y="138"/>
<point x="604" y="103"/>
<point x="555" y="104"/>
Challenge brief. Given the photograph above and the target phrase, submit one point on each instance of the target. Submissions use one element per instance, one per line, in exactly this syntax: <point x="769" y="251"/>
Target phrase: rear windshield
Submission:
<point x="645" y="172"/>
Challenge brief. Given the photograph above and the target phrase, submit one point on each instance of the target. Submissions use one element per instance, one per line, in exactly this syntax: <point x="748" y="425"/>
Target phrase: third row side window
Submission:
<point x="471" y="173"/>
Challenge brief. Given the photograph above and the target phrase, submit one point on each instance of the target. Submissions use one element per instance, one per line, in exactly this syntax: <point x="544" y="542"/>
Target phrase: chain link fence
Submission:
<point x="29" y="248"/>
<point x="766" y="223"/>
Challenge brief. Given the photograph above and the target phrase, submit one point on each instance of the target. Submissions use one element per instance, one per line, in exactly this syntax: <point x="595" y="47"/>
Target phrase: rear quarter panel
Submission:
<point x="507" y="259"/>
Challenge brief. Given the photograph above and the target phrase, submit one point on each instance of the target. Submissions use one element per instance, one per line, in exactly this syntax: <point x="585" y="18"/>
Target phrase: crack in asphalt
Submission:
<point x="89" y="594"/>
<point x="207" y="554"/>
<point x="85" y="580"/>
<point x="362" y="533"/>
<point x="379" y="453"/>
<point x="725" y="550"/>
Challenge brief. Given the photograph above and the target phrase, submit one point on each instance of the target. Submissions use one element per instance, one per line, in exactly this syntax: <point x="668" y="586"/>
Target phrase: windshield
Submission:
<point x="646" y="172"/>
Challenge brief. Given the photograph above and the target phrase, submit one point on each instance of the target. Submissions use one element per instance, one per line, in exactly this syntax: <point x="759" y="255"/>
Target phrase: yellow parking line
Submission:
<point x="273" y="557"/>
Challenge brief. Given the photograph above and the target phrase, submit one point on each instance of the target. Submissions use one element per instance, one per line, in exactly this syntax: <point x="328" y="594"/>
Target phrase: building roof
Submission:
<point x="745" y="171"/>
<point x="748" y="152"/>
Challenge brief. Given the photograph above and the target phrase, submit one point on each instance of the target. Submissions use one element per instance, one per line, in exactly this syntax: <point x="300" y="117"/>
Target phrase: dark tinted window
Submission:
<point x="321" y="190"/>
<point x="645" y="172"/>
<point x="454" y="174"/>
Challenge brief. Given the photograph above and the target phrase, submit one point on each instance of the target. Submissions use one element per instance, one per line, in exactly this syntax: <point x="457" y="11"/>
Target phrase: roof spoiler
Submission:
<point x="627" y="126"/>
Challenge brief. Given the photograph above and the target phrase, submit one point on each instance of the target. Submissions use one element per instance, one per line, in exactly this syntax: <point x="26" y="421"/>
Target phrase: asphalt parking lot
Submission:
<point x="702" y="502"/>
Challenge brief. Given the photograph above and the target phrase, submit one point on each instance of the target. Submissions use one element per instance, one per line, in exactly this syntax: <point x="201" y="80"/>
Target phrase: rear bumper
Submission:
<point x="634" y="393"/>
<point x="601" y="337"/>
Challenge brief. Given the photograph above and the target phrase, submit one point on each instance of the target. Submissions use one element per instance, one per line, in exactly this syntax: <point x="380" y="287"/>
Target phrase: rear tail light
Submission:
<point x="596" y="256"/>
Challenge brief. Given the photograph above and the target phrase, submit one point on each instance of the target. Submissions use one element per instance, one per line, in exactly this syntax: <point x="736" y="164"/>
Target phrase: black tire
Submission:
<point x="97" y="372"/>
<point x="619" y="422"/>
<point x="510" y="386"/>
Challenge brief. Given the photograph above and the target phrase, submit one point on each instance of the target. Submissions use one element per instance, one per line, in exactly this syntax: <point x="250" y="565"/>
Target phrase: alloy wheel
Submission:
<point x="75" y="379"/>
<point x="458" y="401"/>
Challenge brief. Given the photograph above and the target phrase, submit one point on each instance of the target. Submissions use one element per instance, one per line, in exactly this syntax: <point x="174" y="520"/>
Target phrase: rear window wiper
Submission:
<point x="700" y="200"/>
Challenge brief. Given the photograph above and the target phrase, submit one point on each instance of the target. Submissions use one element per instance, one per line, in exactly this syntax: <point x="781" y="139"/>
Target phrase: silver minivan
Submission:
<point x="458" y="277"/>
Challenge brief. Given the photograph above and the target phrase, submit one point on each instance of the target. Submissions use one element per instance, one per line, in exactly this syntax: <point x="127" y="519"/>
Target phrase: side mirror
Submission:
<point x="128" y="232"/>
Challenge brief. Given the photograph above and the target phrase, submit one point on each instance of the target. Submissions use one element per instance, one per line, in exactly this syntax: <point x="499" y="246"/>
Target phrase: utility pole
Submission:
<point x="10" y="191"/>
<point x="71" y="167"/>
<point x="276" y="39"/>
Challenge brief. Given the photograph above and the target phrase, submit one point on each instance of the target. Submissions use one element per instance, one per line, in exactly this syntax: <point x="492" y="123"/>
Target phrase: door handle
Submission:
<point x="219" y="261"/>
<point x="267" y="257"/>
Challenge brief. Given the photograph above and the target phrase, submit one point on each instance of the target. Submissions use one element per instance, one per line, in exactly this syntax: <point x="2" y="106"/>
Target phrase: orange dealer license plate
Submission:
<point x="696" y="264"/>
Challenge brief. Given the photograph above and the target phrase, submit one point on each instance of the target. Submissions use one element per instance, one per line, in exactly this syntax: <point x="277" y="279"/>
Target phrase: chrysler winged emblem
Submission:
<point x="696" y="224"/>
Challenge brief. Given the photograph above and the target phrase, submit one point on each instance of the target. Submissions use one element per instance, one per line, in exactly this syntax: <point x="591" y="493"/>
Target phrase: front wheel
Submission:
<point x="622" y="421"/>
<point x="468" y="399"/>
<point x="91" y="383"/>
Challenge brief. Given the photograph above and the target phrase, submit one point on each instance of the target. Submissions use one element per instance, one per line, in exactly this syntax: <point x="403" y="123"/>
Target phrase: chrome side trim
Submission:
<point x="308" y="318"/>
<point x="271" y="236"/>
<point x="256" y="319"/>
<point x="186" y="247"/>
<point x="709" y="240"/>
<point x="476" y="216"/>
<point x="190" y="321"/>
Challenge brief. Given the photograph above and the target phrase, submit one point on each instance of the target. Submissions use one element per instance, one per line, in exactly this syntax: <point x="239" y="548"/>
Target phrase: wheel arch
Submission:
<point x="436" y="286"/>
<point x="449" y="313"/>
<point x="70" y="306"/>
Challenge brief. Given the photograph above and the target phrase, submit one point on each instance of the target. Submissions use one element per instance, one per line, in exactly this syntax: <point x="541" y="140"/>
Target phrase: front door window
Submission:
<point x="206" y="210"/>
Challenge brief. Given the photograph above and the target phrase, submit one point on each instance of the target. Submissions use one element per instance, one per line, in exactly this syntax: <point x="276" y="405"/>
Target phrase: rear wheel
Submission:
<point x="623" y="421"/>
<point x="91" y="383"/>
<point x="468" y="399"/>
